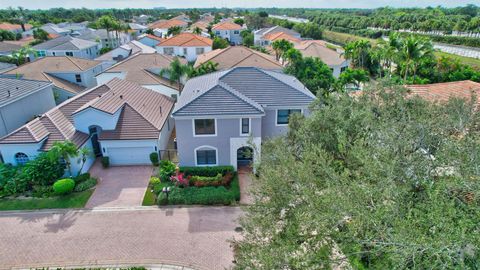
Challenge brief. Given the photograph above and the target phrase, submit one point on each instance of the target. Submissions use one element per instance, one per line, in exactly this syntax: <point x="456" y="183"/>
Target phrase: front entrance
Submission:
<point x="244" y="156"/>
<point x="94" y="139"/>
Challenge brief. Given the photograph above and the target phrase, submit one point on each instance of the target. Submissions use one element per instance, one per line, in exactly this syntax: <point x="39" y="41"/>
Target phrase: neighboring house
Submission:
<point x="4" y="67"/>
<point x="239" y="56"/>
<point x="228" y="30"/>
<point x="137" y="29"/>
<point x="203" y="26"/>
<point x="54" y="29"/>
<point x="112" y="39"/>
<point x="143" y="69"/>
<point x="186" y="45"/>
<point x="123" y="52"/>
<point x="21" y="101"/>
<point x="268" y="39"/>
<point x="8" y="48"/>
<point x="182" y="17"/>
<point x="75" y="29"/>
<point x="70" y="76"/>
<point x="318" y="48"/>
<point x="67" y="46"/>
<point x="14" y="28"/>
<point x="142" y="19"/>
<point x="160" y="28"/>
<point x="262" y="37"/>
<point x="150" y="40"/>
<point x="441" y="92"/>
<point x="221" y="116"/>
<point x="120" y="120"/>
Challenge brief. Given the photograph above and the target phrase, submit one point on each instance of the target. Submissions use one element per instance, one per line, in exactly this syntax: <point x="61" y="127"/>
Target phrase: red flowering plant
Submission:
<point x="180" y="180"/>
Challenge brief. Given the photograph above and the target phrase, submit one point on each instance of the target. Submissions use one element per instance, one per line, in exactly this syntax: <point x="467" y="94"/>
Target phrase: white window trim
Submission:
<point x="249" y="126"/>
<point x="206" y="147"/>
<point x="203" y="135"/>
<point x="276" y="116"/>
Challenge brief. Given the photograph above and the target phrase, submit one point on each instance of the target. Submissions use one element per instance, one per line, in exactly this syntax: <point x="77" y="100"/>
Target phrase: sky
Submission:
<point x="46" y="4"/>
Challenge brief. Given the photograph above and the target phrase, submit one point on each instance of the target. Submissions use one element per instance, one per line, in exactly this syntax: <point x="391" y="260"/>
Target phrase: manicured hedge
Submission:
<point x="207" y="171"/>
<point x="63" y="186"/>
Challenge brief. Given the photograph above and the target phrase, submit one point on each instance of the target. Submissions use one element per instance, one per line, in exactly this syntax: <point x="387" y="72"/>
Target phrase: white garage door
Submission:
<point x="129" y="155"/>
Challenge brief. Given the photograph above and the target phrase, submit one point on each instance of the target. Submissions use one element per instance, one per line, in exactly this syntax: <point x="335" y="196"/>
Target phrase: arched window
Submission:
<point x="21" y="158"/>
<point x="206" y="156"/>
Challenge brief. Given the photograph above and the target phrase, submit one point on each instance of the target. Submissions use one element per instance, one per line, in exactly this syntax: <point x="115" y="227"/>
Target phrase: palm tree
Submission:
<point x="66" y="150"/>
<point x="21" y="55"/>
<point x="108" y="23"/>
<point x="84" y="154"/>
<point x="281" y="47"/>
<point x="175" y="72"/>
<point x="197" y="30"/>
<point x="387" y="51"/>
<point x="359" y="52"/>
<point x="174" y="30"/>
<point x="412" y="50"/>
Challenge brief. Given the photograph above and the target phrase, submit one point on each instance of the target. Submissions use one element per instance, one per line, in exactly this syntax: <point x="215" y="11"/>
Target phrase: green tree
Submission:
<point x="309" y="30"/>
<point x="247" y="38"/>
<point x="204" y="68"/>
<point x="176" y="72"/>
<point x="239" y="21"/>
<point x="108" y="23"/>
<point x="352" y="76"/>
<point x="44" y="170"/>
<point x="359" y="52"/>
<point x="21" y="55"/>
<point x="40" y="34"/>
<point x="197" y="30"/>
<point x="149" y="31"/>
<point x="66" y="150"/>
<point x="174" y="30"/>
<point x="412" y="51"/>
<point x="280" y="47"/>
<point x="219" y="43"/>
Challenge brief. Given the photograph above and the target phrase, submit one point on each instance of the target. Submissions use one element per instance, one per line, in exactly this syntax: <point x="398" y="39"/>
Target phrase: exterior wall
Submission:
<point x="165" y="134"/>
<point x="337" y="70"/>
<point x="227" y="128"/>
<point x="93" y="117"/>
<point x="270" y="128"/>
<point x="76" y="163"/>
<point x="107" y="76"/>
<point x="17" y="113"/>
<point x="167" y="91"/>
<point x="191" y="51"/>
<point x="160" y="32"/>
<point x="87" y="76"/>
<point x="8" y="151"/>
<point x="230" y="35"/>
<point x="61" y="95"/>
<point x="88" y="53"/>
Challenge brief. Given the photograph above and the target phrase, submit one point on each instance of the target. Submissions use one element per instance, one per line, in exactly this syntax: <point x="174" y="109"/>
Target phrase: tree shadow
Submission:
<point x="213" y="219"/>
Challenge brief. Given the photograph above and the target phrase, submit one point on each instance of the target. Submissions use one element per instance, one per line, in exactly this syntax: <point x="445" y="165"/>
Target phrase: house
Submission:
<point x="239" y="56"/>
<point x="142" y="19"/>
<point x="69" y="75"/>
<point x="143" y="69"/>
<point x="112" y="39"/>
<point x="229" y="30"/>
<point x="268" y="39"/>
<point x="186" y="45"/>
<point x="123" y="52"/>
<point x="182" y="17"/>
<point x="67" y="46"/>
<point x="137" y="29"/>
<point x="54" y="29"/>
<point x="15" y="28"/>
<point x="319" y="48"/>
<point x="222" y="116"/>
<point x="150" y="40"/>
<point x="203" y="26"/>
<point x="8" y="48"/>
<point x="260" y="36"/>
<point x="441" y="92"/>
<point x="22" y="100"/>
<point x="160" y="28"/>
<point x="120" y="120"/>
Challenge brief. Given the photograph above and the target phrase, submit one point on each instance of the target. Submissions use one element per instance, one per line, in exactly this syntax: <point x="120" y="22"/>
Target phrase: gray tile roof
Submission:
<point x="65" y="43"/>
<point x="12" y="89"/>
<point x="7" y="48"/>
<point x="241" y="90"/>
<point x="276" y="29"/>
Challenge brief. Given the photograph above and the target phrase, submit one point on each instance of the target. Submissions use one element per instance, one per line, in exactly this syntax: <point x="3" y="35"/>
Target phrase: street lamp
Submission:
<point x="166" y="190"/>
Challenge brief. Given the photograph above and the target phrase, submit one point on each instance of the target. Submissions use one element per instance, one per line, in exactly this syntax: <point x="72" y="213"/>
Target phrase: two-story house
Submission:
<point x="120" y="120"/>
<point x="69" y="75"/>
<point x="221" y="118"/>
<point x="160" y="28"/>
<point x="67" y="46"/>
<point x="186" y="45"/>
<point x="264" y="36"/>
<point x="230" y="31"/>
<point x="112" y="39"/>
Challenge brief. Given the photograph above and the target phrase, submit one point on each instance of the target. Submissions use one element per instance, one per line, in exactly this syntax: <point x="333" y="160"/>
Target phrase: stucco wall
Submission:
<point x="76" y="163"/>
<point x="191" y="51"/>
<point x="107" y="76"/>
<point x="93" y="117"/>
<point x="8" y="151"/>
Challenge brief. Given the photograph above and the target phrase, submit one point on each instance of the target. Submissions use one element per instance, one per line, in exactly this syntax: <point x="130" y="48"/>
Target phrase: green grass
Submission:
<point x="149" y="197"/>
<point x="74" y="200"/>
<point x="473" y="62"/>
<point x="343" y="38"/>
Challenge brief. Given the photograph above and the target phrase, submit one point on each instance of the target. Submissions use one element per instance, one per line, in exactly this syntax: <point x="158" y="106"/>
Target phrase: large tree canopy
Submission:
<point x="390" y="182"/>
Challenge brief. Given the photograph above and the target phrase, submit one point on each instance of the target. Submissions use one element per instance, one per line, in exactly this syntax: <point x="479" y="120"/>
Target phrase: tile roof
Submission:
<point x="239" y="56"/>
<point x="203" y="25"/>
<point x="227" y="25"/>
<point x="277" y="29"/>
<point x="240" y="90"/>
<point x="65" y="43"/>
<point x="280" y="36"/>
<point x="7" y="48"/>
<point x="143" y="115"/>
<point x="21" y="42"/>
<point x="13" y="89"/>
<point x="165" y="24"/>
<point x="186" y="40"/>
<point x="14" y="27"/>
<point x="441" y="92"/>
<point x="159" y="39"/>
<point x="143" y="68"/>
<point x="318" y="48"/>
<point x="134" y="47"/>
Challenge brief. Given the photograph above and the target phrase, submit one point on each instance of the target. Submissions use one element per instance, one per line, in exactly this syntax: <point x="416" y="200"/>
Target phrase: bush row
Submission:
<point x="207" y="171"/>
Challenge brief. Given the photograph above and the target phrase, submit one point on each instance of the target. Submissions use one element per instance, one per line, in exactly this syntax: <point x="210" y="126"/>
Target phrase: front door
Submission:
<point x="94" y="139"/>
<point x="244" y="156"/>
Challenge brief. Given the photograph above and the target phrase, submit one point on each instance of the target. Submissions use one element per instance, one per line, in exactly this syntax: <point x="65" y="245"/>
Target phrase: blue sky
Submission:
<point x="45" y="4"/>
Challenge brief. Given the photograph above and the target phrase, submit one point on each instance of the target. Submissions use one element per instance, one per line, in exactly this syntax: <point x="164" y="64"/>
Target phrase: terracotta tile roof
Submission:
<point x="441" y="92"/>
<point x="239" y="56"/>
<point x="186" y="40"/>
<point x="143" y="115"/>
<point x="318" y="48"/>
<point x="280" y="36"/>
<point x="14" y="27"/>
<point x="200" y="24"/>
<point x="227" y="25"/>
<point x="165" y="24"/>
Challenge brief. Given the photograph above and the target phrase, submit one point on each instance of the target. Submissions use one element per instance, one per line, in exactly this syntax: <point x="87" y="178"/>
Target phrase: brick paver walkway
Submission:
<point x="245" y="181"/>
<point x="194" y="237"/>
<point x="119" y="186"/>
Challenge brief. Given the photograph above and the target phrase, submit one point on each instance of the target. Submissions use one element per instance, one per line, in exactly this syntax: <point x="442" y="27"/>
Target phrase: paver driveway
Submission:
<point x="195" y="237"/>
<point x="119" y="186"/>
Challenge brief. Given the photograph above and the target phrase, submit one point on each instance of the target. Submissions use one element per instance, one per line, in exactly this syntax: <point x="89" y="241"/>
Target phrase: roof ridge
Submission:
<point x="270" y="75"/>
<point x="241" y="96"/>
<point x="141" y="115"/>
<point x="68" y="57"/>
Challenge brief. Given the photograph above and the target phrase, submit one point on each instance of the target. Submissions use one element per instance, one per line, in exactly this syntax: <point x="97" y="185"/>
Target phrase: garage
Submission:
<point x="129" y="155"/>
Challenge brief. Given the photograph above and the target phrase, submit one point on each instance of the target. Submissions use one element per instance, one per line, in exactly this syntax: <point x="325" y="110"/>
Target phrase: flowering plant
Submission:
<point x="180" y="180"/>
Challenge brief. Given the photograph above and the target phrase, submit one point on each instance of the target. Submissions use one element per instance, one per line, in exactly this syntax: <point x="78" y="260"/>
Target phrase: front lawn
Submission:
<point x="73" y="200"/>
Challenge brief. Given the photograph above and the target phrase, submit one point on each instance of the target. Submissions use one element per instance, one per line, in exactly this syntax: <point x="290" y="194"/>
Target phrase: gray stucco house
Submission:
<point x="67" y="46"/>
<point x="221" y="116"/>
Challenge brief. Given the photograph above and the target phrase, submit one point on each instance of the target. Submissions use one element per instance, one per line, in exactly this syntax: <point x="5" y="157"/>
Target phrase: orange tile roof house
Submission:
<point x="230" y="31"/>
<point x="120" y="120"/>
<point x="239" y="56"/>
<point x="441" y="92"/>
<point x="186" y="45"/>
<point x="160" y="28"/>
<point x="281" y="35"/>
<point x="15" y="28"/>
<point x="262" y="37"/>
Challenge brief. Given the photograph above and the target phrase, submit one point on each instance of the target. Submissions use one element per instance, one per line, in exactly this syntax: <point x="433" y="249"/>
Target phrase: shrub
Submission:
<point x="85" y="185"/>
<point x="154" y="181"/>
<point x="206" y="181"/>
<point x="167" y="168"/>
<point x="204" y="196"/>
<point x="81" y="178"/>
<point x="207" y="171"/>
<point x="105" y="162"/>
<point x="154" y="158"/>
<point x="63" y="186"/>
<point x="162" y="199"/>
<point x="42" y="191"/>
<point x="44" y="170"/>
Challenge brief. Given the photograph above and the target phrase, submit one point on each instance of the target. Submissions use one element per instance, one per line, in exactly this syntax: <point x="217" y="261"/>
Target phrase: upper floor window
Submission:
<point x="283" y="115"/>
<point x="343" y="69"/>
<point x="69" y="53"/>
<point x="185" y="51"/>
<point x="200" y="50"/>
<point x="53" y="53"/>
<point x="78" y="78"/>
<point x="41" y="53"/>
<point x="245" y="126"/>
<point x="217" y="32"/>
<point x="21" y="158"/>
<point x="168" y="51"/>
<point x="205" y="127"/>
<point x="236" y="32"/>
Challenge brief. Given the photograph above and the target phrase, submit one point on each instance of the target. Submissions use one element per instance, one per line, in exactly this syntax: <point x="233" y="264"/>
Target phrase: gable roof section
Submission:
<point x="256" y="87"/>
<point x="159" y="39"/>
<point x="238" y="56"/>
<point x="65" y="43"/>
<point x="133" y="47"/>
<point x="6" y="47"/>
<point x="13" y="89"/>
<point x="165" y="24"/>
<point x="227" y="25"/>
<point x="441" y="92"/>
<point x="186" y="40"/>
<point x="281" y="35"/>
<point x="318" y="48"/>
<point x="277" y="29"/>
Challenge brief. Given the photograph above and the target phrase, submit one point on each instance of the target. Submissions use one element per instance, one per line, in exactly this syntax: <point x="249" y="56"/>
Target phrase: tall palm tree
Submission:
<point x="359" y="52"/>
<point x="281" y="47"/>
<point x="387" y="51"/>
<point x="21" y="55"/>
<point x="108" y="23"/>
<point x="175" y="72"/>
<point x="412" y="50"/>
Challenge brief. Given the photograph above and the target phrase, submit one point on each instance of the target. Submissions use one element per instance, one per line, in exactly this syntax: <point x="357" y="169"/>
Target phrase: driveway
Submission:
<point x="122" y="186"/>
<point x="195" y="237"/>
